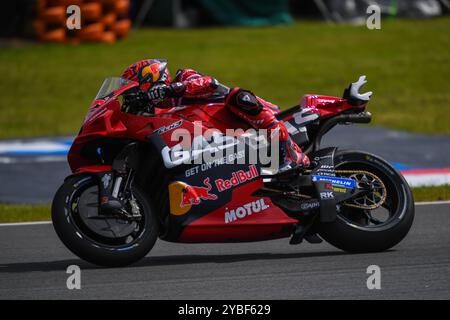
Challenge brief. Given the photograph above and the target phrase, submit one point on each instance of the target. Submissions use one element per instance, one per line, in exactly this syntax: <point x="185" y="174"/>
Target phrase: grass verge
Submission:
<point x="46" y="89"/>
<point x="22" y="213"/>
<point x="438" y="193"/>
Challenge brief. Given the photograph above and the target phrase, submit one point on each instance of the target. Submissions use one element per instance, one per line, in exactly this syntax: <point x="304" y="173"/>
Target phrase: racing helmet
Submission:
<point x="148" y="73"/>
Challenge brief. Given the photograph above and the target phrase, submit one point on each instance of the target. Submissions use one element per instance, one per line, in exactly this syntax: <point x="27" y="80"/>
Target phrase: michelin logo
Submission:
<point x="337" y="182"/>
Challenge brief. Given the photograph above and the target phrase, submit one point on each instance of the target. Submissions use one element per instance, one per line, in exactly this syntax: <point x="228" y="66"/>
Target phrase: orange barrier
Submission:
<point x="55" y="35"/>
<point x="121" y="7"/>
<point x="101" y="21"/>
<point x="122" y="27"/>
<point x="91" y="11"/>
<point x="54" y="15"/>
<point x="109" y="20"/>
<point x="91" y="32"/>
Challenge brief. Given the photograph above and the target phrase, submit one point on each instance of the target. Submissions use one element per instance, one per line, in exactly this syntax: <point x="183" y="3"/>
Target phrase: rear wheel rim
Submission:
<point x="387" y="214"/>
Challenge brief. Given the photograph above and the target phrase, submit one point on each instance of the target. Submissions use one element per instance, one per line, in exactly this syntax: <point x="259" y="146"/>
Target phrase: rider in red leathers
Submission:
<point x="190" y="86"/>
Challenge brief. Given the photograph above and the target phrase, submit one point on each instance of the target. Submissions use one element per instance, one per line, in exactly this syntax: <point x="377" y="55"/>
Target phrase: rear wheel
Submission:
<point x="377" y="220"/>
<point x="105" y="241"/>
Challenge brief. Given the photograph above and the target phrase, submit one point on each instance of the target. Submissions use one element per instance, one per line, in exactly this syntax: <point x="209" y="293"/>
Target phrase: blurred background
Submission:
<point x="279" y="49"/>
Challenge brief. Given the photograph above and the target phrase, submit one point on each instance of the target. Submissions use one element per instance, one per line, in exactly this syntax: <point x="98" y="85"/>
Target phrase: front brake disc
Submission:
<point x="107" y="227"/>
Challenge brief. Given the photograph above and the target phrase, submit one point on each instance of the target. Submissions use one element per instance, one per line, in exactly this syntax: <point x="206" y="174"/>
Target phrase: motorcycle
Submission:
<point x="354" y="200"/>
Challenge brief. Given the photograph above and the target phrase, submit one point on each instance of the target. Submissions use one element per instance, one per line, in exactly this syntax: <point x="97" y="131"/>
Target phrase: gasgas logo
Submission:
<point x="183" y="196"/>
<point x="178" y="154"/>
<point x="246" y="210"/>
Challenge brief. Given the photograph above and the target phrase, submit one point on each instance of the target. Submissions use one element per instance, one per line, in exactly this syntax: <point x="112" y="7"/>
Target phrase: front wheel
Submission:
<point x="105" y="241"/>
<point x="378" y="220"/>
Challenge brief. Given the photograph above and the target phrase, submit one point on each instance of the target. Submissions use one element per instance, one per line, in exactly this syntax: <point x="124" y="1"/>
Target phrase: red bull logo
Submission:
<point x="151" y="72"/>
<point x="192" y="195"/>
<point x="237" y="178"/>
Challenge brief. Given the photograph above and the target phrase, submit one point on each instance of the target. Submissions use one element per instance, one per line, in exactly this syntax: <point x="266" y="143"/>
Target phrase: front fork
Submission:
<point x="115" y="196"/>
<point x="112" y="190"/>
<point x="112" y="185"/>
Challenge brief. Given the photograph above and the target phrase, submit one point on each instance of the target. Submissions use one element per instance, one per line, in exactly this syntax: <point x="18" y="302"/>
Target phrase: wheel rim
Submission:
<point x="390" y="198"/>
<point x="112" y="233"/>
<point x="376" y="196"/>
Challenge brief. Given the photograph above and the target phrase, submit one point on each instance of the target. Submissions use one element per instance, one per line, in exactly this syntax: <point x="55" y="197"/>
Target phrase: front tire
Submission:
<point x="76" y="222"/>
<point x="352" y="231"/>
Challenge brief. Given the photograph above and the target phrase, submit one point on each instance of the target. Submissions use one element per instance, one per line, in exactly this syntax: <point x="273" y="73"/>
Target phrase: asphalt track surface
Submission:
<point x="33" y="265"/>
<point x="28" y="181"/>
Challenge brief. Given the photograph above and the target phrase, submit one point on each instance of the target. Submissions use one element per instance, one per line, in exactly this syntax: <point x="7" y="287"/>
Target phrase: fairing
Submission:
<point x="200" y="210"/>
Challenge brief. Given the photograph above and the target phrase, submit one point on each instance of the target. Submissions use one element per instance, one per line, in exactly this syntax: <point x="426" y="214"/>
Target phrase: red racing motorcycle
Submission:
<point x="180" y="185"/>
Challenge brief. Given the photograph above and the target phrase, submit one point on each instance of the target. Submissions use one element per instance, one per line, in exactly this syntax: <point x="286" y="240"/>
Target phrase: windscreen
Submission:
<point x="109" y="85"/>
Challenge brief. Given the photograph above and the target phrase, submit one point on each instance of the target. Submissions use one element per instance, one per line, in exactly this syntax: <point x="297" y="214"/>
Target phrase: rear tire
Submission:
<point x="350" y="234"/>
<point x="92" y="247"/>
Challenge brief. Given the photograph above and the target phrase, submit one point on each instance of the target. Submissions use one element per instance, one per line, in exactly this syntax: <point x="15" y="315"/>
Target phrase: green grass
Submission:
<point x="45" y="89"/>
<point x="23" y="212"/>
<point x="432" y="193"/>
<point x="20" y="213"/>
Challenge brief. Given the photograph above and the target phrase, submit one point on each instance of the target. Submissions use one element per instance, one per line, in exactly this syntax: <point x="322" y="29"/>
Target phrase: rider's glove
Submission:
<point x="162" y="91"/>
<point x="158" y="92"/>
<point x="137" y="98"/>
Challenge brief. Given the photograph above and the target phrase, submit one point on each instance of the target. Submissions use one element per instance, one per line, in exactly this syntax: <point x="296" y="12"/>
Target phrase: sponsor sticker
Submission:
<point x="246" y="210"/>
<point x="192" y="195"/>
<point x="172" y="126"/>
<point x="339" y="190"/>
<point x="237" y="178"/>
<point x="335" y="181"/>
<point x="213" y="164"/>
<point x="326" y="195"/>
<point x="183" y="196"/>
<point x="310" y="205"/>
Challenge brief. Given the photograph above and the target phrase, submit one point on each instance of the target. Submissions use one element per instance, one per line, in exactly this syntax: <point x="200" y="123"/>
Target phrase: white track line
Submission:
<point x="12" y="224"/>
<point x="424" y="203"/>
<point x="37" y="159"/>
<point x="33" y="147"/>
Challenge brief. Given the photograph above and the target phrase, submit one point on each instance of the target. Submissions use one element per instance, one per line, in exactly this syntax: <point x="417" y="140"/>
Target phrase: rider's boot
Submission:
<point x="291" y="156"/>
